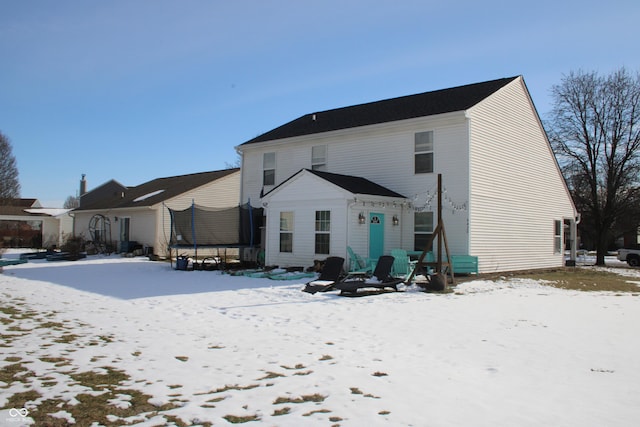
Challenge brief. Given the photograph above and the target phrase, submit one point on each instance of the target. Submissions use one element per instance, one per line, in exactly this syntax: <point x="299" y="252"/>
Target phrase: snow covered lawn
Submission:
<point x="203" y="348"/>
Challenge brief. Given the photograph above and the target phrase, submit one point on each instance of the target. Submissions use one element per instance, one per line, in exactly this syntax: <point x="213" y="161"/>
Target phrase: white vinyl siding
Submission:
<point x="517" y="190"/>
<point x="150" y="226"/>
<point x="344" y="229"/>
<point x="503" y="186"/>
<point x="384" y="154"/>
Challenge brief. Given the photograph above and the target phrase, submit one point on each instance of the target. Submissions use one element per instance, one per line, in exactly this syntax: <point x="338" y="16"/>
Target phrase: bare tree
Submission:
<point x="72" y="202"/>
<point x="595" y="133"/>
<point x="9" y="184"/>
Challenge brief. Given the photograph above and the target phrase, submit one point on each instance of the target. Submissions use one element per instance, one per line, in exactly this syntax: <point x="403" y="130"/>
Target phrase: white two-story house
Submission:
<point x="365" y="176"/>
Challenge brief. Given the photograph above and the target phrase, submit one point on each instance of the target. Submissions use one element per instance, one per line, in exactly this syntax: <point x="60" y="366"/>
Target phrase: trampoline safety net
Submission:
<point x="203" y="226"/>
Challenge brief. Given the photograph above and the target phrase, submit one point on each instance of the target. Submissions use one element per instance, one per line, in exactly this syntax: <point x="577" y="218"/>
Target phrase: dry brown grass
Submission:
<point x="573" y="278"/>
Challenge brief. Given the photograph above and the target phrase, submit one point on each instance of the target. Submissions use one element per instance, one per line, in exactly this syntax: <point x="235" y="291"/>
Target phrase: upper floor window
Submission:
<point x="269" y="169"/>
<point x="424" y="152"/>
<point x="319" y="157"/>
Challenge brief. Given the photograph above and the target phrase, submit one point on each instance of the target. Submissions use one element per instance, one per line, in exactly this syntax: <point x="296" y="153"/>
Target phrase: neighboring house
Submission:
<point x="24" y="223"/>
<point x="365" y="176"/>
<point x="139" y="214"/>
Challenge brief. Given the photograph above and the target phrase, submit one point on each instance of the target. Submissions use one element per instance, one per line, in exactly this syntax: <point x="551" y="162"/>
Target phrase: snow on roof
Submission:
<point x="146" y="196"/>
<point x="47" y="211"/>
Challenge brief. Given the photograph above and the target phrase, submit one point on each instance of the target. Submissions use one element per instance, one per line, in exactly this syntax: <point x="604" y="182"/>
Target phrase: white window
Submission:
<point x="323" y="232"/>
<point x="286" y="231"/>
<point x="557" y="237"/>
<point x="423" y="148"/>
<point x="319" y="157"/>
<point x="269" y="169"/>
<point x="422" y="229"/>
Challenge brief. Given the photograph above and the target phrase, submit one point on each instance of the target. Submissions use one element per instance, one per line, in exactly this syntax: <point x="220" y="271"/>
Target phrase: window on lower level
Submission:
<point x="423" y="229"/>
<point x="323" y="232"/>
<point x="286" y="231"/>
<point x="557" y="237"/>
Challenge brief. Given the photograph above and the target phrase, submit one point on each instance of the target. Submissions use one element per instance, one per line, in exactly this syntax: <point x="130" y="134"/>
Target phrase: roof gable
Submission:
<point x="157" y="190"/>
<point x="348" y="183"/>
<point x="458" y="98"/>
<point x="356" y="184"/>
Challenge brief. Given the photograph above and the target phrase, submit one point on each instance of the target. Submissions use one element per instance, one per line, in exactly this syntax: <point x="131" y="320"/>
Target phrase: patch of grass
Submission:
<point x="10" y="311"/>
<point x="271" y="375"/>
<point x="182" y="358"/>
<point x="216" y="399"/>
<point x="57" y="361"/>
<point x="91" y="408"/>
<point x="379" y="374"/>
<point x="326" y="357"/>
<point x="302" y="399"/>
<point x="298" y="366"/>
<point x="384" y="413"/>
<point x="20" y="400"/>
<point x="102" y="339"/>
<point x="356" y="390"/>
<point x="284" y="411"/>
<point x="99" y="381"/>
<point x="580" y="279"/>
<point x="52" y="325"/>
<point x="66" y="339"/>
<point x="235" y="387"/>
<point x="235" y="419"/>
<point x="317" y="411"/>
<point x="10" y="373"/>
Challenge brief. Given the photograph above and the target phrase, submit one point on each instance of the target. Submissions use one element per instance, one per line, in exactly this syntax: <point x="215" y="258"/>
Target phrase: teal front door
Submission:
<point x="376" y="235"/>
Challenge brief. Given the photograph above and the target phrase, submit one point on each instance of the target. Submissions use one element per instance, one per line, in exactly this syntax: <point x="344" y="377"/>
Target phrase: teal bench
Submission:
<point x="464" y="264"/>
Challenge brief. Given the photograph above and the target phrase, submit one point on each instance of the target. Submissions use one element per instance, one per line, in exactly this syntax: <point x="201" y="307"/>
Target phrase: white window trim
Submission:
<point x="264" y="168"/>
<point x="316" y="231"/>
<point x="316" y="162"/>
<point x="288" y="230"/>
<point x="557" y="238"/>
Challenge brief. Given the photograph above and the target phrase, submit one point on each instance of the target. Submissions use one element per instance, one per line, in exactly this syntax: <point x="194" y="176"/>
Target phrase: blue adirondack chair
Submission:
<point x="357" y="264"/>
<point x="402" y="264"/>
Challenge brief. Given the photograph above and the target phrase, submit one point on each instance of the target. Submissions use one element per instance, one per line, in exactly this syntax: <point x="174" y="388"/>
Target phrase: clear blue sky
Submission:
<point x="136" y="90"/>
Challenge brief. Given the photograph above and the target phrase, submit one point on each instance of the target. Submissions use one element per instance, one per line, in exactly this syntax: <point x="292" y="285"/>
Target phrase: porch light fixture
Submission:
<point x="396" y="220"/>
<point x="361" y="218"/>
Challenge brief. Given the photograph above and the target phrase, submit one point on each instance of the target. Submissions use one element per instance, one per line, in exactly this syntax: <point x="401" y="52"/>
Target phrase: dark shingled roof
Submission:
<point x="16" y="206"/>
<point x="406" y="107"/>
<point x="353" y="184"/>
<point x="165" y="188"/>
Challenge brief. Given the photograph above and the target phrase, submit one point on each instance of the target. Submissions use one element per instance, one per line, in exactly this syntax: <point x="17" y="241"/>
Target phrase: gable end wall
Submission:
<point x="516" y="189"/>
